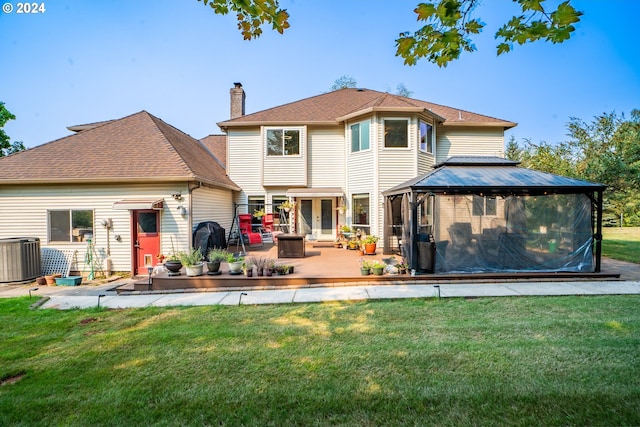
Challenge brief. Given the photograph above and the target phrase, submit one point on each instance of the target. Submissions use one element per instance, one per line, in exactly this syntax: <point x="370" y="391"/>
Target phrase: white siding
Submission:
<point x="469" y="141"/>
<point x="326" y="159"/>
<point x="212" y="204"/>
<point x="244" y="159"/>
<point x="24" y="213"/>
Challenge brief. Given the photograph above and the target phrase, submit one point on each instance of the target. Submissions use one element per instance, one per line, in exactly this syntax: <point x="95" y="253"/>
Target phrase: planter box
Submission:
<point x="69" y="281"/>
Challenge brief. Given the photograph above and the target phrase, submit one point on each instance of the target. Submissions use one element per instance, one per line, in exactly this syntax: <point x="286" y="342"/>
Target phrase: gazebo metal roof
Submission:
<point x="491" y="175"/>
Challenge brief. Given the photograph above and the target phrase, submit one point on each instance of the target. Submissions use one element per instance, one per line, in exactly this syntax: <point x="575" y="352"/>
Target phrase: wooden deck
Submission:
<point x="324" y="265"/>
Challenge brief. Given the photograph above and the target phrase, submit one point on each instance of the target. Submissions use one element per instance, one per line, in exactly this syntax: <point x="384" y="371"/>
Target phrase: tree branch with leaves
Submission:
<point x="6" y="147"/>
<point x="450" y="25"/>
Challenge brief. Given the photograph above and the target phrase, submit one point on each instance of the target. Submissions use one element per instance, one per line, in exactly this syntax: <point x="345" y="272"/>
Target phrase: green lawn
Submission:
<point x="489" y="361"/>
<point x="621" y="243"/>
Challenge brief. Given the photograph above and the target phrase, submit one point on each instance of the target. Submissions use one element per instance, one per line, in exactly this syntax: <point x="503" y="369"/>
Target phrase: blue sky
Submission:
<point x="84" y="61"/>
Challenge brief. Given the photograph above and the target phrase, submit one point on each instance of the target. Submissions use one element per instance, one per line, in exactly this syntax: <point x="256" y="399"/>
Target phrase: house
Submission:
<point x="335" y="153"/>
<point x="126" y="190"/>
<point x="122" y="190"/>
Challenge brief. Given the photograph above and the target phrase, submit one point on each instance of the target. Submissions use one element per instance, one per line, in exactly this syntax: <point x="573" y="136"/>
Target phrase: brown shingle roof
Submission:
<point x="334" y="107"/>
<point x="136" y="148"/>
<point x="217" y="145"/>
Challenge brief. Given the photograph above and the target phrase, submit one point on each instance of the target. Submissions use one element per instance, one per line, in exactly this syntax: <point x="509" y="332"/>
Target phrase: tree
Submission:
<point x="344" y="82"/>
<point x="6" y="147"/>
<point x="513" y="150"/>
<point x="402" y="90"/>
<point x="447" y="32"/>
<point x="606" y="150"/>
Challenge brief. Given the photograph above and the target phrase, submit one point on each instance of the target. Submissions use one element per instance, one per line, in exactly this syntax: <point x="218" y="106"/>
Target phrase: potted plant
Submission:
<point x="259" y="213"/>
<point x="346" y="231"/>
<point x="259" y="262"/>
<point x="192" y="261"/>
<point x="337" y="243"/>
<point x="214" y="257"/>
<point x="282" y="269"/>
<point x="247" y="267"/>
<point x="370" y="242"/>
<point x="401" y="267"/>
<point x="365" y="267"/>
<point x="286" y="205"/>
<point x="172" y="261"/>
<point x="269" y="265"/>
<point x="377" y="267"/>
<point x="353" y="244"/>
<point x="235" y="263"/>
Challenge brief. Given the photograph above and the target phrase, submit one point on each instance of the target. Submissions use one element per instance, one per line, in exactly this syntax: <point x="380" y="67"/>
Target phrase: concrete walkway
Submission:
<point x="60" y="297"/>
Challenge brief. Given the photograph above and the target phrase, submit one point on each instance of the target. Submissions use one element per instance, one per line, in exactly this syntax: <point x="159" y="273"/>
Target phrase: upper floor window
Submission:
<point x="283" y="142"/>
<point x="396" y="133"/>
<point x="360" y="136"/>
<point x="70" y="225"/>
<point x="426" y="137"/>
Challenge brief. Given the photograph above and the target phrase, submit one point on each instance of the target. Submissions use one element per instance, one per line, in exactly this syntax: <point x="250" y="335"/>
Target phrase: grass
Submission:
<point x="621" y="243"/>
<point x="504" y="361"/>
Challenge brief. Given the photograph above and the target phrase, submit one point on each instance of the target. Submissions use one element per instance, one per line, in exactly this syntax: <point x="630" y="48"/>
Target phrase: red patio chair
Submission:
<point x="244" y="224"/>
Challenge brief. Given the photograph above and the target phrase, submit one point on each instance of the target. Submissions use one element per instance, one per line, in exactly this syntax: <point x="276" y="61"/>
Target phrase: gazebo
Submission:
<point x="487" y="214"/>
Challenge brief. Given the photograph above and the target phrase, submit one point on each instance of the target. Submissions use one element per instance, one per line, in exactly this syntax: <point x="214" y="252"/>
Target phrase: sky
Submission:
<point x="83" y="61"/>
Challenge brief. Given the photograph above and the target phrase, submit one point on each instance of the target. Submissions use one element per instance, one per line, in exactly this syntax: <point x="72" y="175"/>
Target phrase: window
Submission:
<point x="361" y="212"/>
<point x="70" y="225"/>
<point x="256" y="203"/>
<point x="396" y="133"/>
<point x="484" y="205"/>
<point x="360" y="136"/>
<point x="426" y="137"/>
<point x="283" y="142"/>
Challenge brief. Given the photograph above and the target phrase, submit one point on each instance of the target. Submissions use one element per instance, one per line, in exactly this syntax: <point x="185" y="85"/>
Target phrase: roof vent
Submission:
<point x="460" y="115"/>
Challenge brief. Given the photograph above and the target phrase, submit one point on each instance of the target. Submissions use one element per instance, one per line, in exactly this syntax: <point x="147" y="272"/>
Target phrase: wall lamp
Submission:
<point x="177" y="196"/>
<point x="182" y="210"/>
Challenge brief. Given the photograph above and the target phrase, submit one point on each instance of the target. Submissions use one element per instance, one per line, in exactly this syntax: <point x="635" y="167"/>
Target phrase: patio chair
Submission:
<point x="267" y="228"/>
<point x="244" y="224"/>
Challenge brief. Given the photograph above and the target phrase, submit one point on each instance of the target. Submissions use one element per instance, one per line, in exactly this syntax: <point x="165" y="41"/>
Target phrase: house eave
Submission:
<point x="501" y="124"/>
<point x="371" y="110"/>
<point x="116" y="180"/>
<point x="226" y="125"/>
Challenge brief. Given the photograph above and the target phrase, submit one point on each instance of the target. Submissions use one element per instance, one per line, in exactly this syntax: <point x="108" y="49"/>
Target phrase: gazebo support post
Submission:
<point x="598" y="236"/>
<point x="414" y="231"/>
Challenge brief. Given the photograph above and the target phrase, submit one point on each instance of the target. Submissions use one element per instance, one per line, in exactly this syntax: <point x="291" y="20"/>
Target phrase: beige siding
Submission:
<point x="244" y="159"/>
<point x="24" y="213"/>
<point x="213" y="204"/>
<point x="426" y="161"/>
<point x="469" y="141"/>
<point x="326" y="159"/>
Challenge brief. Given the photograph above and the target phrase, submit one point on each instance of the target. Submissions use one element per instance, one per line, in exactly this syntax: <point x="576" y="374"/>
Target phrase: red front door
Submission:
<point x="146" y="239"/>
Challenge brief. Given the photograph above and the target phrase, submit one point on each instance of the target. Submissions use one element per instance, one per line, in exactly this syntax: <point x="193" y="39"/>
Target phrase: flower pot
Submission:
<point x="235" y="267"/>
<point x="51" y="279"/>
<point x="365" y="271"/>
<point x="41" y="281"/>
<point x="248" y="272"/>
<point x="268" y="272"/>
<point x="370" y="248"/>
<point x="194" y="270"/>
<point x="173" y="266"/>
<point x="360" y="252"/>
<point x="378" y="271"/>
<point x="213" y="267"/>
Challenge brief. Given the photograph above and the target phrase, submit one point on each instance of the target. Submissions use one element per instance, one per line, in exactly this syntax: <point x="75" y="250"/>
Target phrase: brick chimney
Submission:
<point x="237" y="100"/>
